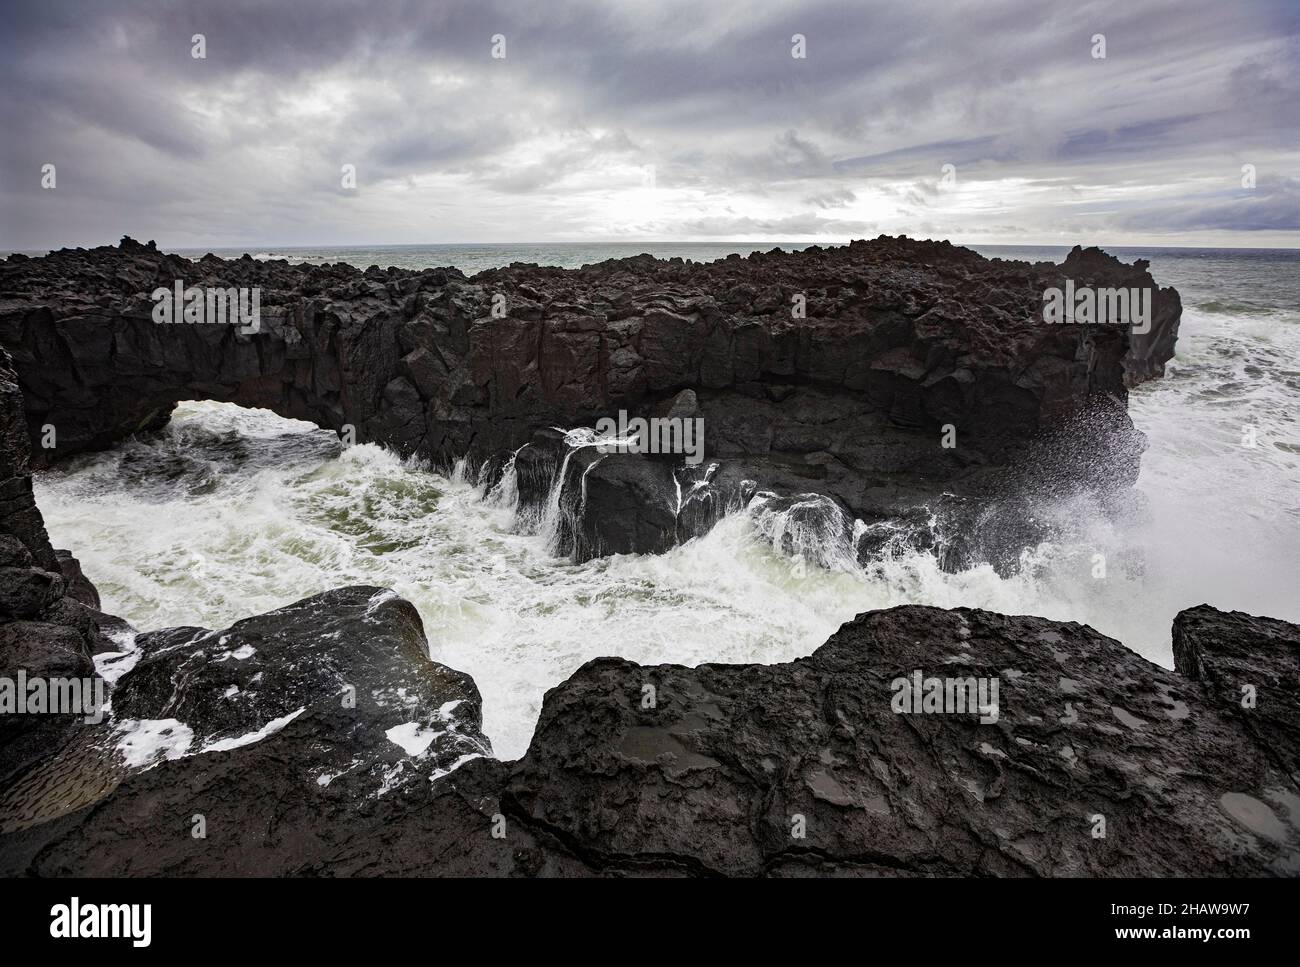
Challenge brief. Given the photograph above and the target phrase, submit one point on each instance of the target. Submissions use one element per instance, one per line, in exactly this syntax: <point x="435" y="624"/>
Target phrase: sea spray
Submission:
<point x="809" y="527"/>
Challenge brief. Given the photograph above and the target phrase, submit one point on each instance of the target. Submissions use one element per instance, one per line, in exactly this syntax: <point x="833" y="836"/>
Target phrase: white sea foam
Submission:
<point x="146" y="742"/>
<point x="413" y="737"/>
<point x="239" y="741"/>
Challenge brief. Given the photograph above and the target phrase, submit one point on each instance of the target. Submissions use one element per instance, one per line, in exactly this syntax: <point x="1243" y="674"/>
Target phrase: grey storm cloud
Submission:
<point x="665" y="120"/>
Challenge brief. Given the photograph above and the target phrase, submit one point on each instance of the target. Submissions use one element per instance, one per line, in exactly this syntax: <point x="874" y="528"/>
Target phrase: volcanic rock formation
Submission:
<point x="840" y="372"/>
<point x="1094" y="762"/>
<point x="48" y="610"/>
<point x="334" y="694"/>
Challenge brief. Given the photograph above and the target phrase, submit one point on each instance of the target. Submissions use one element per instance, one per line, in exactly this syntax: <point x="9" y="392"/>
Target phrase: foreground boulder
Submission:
<point x="331" y="702"/>
<point x="1086" y="761"/>
<point x="882" y="374"/>
<point x="733" y="762"/>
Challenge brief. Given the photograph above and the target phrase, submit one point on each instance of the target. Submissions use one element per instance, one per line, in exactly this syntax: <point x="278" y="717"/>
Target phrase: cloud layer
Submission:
<point x="988" y="121"/>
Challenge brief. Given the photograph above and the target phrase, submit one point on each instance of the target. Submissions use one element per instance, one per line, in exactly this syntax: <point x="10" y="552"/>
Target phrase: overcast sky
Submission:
<point x="624" y="120"/>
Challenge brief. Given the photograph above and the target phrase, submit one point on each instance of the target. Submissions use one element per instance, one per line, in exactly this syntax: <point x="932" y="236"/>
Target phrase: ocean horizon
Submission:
<point x="472" y="258"/>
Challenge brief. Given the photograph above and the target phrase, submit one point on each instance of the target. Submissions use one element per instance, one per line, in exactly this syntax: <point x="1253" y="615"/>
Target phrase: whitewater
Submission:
<point x="229" y="512"/>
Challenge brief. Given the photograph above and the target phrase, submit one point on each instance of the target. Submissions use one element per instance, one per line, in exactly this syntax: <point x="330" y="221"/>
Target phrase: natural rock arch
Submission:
<point x="897" y="340"/>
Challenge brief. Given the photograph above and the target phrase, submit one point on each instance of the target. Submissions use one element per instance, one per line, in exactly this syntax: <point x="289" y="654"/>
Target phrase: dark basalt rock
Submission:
<point x="303" y="696"/>
<point x="900" y="338"/>
<point x="709" y="493"/>
<point x="782" y="770"/>
<point x="360" y="645"/>
<point x="1252" y="668"/>
<point x="25" y="544"/>
<point x="44" y="632"/>
<point x="1148" y="352"/>
<point x="593" y="503"/>
<point x="77" y="585"/>
<point x="716" y="776"/>
<point x="626" y="505"/>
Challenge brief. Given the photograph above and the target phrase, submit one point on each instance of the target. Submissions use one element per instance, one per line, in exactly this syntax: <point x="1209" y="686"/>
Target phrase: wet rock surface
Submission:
<point x="1252" y="666"/>
<point x="76" y="584"/>
<point x="46" y="629"/>
<point x="831" y="371"/>
<point x="732" y="759"/>
<point x="327" y="704"/>
<point x="1087" y="761"/>
<point x="357" y="648"/>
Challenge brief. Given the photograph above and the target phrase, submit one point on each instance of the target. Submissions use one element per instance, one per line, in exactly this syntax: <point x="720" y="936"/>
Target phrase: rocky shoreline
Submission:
<point x="320" y="739"/>
<point x="797" y="769"/>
